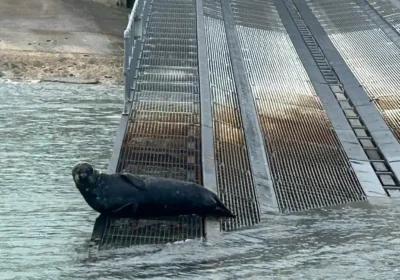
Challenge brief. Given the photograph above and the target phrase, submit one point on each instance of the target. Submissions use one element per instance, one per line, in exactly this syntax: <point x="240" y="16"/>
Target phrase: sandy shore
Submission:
<point x="33" y="65"/>
<point x="62" y="40"/>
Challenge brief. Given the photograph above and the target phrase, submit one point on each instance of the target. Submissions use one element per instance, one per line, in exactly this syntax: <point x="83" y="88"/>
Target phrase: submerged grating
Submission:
<point x="308" y="164"/>
<point x="127" y="232"/>
<point x="234" y="179"/>
<point x="162" y="137"/>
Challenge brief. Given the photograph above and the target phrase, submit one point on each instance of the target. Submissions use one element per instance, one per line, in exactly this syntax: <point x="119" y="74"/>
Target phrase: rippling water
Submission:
<point x="45" y="225"/>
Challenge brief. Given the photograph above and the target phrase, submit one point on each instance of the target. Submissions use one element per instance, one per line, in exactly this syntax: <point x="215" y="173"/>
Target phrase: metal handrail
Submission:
<point x="132" y="33"/>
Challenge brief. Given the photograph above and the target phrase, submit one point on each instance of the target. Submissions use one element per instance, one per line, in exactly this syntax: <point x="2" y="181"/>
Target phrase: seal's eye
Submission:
<point x="82" y="172"/>
<point x="86" y="168"/>
<point x="89" y="170"/>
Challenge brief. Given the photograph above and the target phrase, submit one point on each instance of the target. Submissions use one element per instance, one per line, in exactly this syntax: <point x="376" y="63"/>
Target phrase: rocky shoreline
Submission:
<point x="56" y="67"/>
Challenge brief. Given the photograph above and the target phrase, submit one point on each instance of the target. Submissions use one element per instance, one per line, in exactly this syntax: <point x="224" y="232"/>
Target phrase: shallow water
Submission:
<point x="45" y="225"/>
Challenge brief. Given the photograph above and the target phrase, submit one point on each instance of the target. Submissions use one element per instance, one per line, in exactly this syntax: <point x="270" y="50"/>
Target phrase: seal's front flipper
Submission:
<point x="133" y="180"/>
<point x="133" y="207"/>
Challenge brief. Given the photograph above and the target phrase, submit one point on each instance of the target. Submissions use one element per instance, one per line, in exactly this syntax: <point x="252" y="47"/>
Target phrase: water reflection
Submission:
<point x="45" y="224"/>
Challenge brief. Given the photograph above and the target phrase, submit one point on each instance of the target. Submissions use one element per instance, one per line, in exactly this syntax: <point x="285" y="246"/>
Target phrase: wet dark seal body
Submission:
<point x="142" y="196"/>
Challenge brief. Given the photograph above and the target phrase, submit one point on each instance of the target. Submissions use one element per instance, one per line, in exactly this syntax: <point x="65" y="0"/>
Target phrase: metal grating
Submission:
<point x="162" y="137"/>
<point x="126" y="232"/>
<point x="388" y="11"/>
<point x="235" y="184"/>
<point x="380" y="165"/>
<point x="346" y="14"/>
<point x="373" y="58"/>
<point x="308" y="164"/>
<point x="262" y="16"/>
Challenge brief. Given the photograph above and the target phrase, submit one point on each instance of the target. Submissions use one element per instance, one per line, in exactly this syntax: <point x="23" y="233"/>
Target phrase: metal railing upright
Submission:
<point x="133" y="32"/>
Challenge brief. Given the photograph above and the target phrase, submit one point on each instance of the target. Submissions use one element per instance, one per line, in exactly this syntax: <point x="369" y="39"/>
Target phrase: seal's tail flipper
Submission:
<point x="223" y="211"/>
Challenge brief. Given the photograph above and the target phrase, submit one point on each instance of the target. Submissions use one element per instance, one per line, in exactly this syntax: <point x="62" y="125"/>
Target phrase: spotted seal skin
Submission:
<point x="127" y="195"/>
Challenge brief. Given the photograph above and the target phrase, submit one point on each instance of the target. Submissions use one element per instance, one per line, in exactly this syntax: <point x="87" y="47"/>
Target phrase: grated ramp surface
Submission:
<point x="127" y="232"/>
<point x="235" y="182"/>
<point x="162" y="137"/>
<point x="389" y="11"/>
<point x="354" y="136"/>
<point x="308" y="163"/>
<point x="373" y="58"/>
<point x="309" y="166"/>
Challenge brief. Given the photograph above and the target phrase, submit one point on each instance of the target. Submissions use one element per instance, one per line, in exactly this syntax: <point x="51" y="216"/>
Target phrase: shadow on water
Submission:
<point x="46" y="225"/>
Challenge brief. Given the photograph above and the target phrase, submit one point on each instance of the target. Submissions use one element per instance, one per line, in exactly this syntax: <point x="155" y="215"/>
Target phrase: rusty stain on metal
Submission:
<point x="374" y="60"/>
<point x="309" y="167"/>
<point x="235" y="184"/>
<point x="389" y="106"/>
<point x="162" y="137"/>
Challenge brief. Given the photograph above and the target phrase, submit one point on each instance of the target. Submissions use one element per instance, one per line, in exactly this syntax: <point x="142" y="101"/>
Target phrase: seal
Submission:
<point x="127" y="195"/>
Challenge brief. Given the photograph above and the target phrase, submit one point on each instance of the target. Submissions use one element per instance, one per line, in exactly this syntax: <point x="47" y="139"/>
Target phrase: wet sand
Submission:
<point x="65" y="40"/>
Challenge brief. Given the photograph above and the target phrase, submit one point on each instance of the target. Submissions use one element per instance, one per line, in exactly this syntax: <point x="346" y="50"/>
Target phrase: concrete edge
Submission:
<point x="212" y="227"/>
<point x="138" y="46"/>
<point x="112" y="166"/>
<point x="254" y="138"/>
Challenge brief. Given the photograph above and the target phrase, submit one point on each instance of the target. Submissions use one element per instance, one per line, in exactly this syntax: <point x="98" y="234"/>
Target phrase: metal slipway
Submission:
<point x="256" y="101"/>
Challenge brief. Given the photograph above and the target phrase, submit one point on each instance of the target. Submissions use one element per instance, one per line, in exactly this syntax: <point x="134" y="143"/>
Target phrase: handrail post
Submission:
<point x="133" y="32"/>
<point x="132" y="68"/>
<point x="127" y="54"/>
<point x="138" y="27"/>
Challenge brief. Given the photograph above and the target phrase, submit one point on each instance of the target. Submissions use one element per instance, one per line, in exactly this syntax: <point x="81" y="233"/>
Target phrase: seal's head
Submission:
<point x="84" y="174"/>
